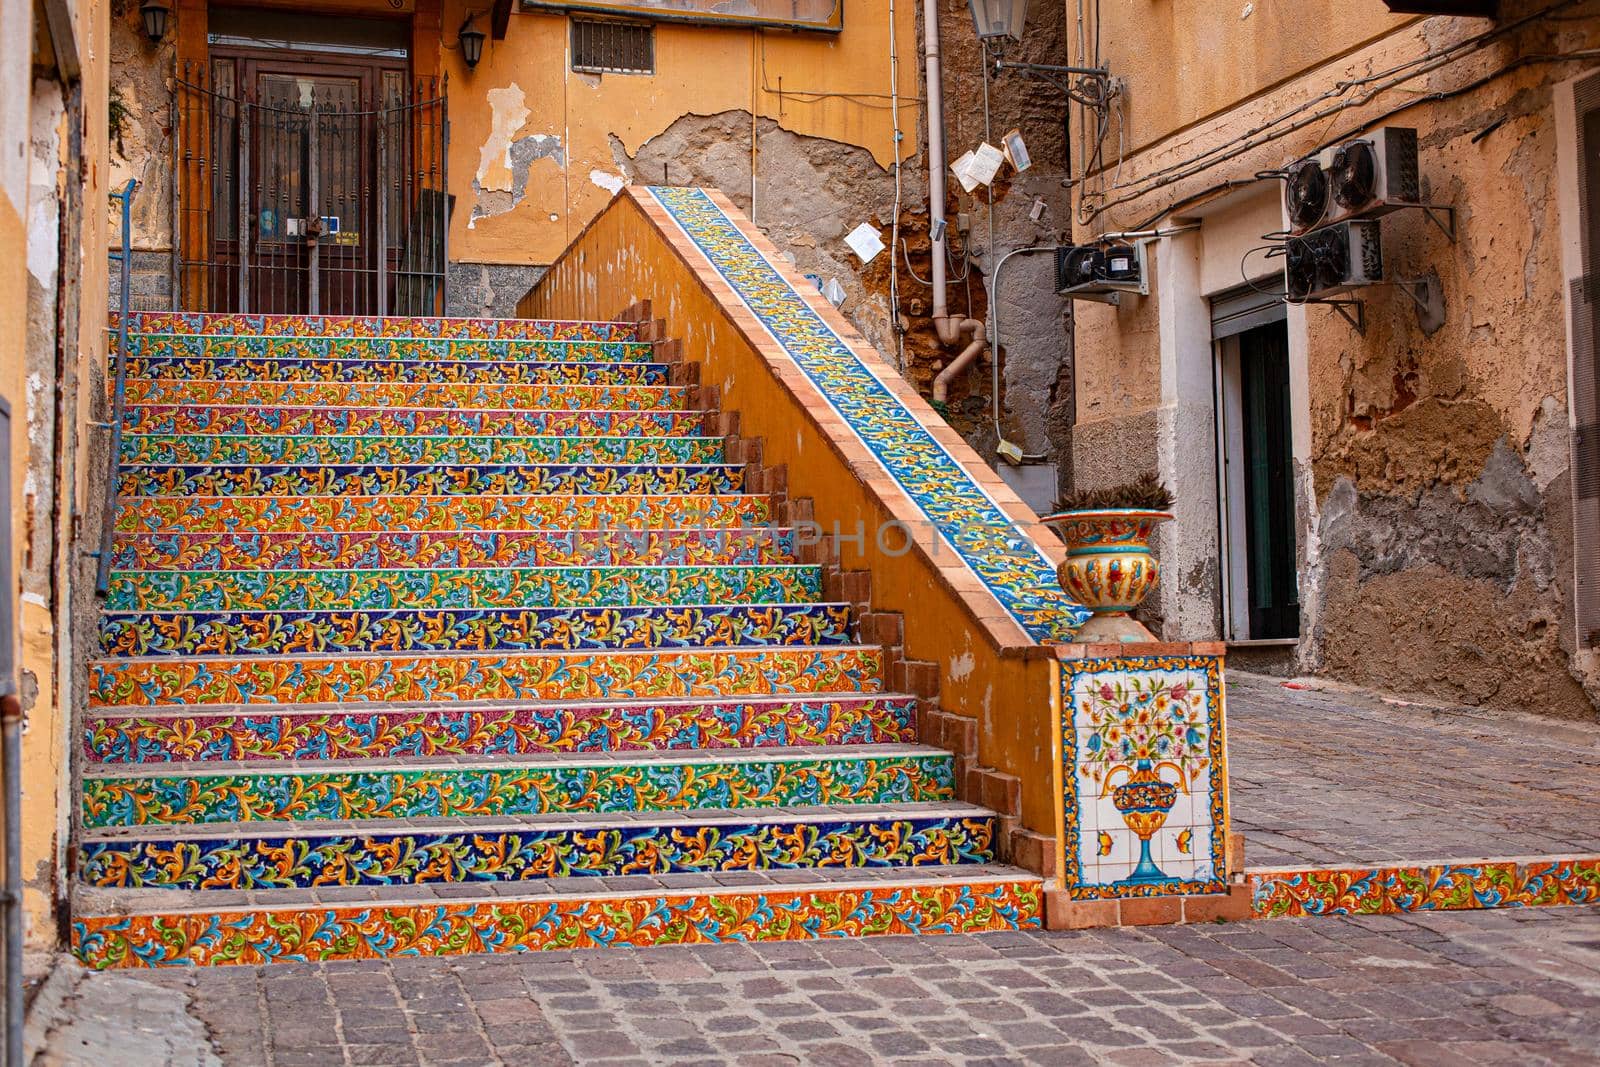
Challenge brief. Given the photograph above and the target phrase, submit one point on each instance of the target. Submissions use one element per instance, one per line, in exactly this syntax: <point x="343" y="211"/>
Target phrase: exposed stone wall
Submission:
<point x="488" y="290"/>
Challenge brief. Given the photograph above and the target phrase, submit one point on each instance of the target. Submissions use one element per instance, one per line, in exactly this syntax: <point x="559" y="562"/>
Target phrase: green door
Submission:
<point x="1269" y="482"/>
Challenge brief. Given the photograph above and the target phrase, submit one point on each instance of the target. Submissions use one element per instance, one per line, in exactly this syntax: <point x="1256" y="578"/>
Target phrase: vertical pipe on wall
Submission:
<point x="936" y="220"/>
<point x="10" y="772"/>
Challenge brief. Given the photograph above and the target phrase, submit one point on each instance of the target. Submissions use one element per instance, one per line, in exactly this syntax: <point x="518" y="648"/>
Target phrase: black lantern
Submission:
<point x="471" y="40"/>
<point x="995" y="20"/>
<point x="154" y="13"/>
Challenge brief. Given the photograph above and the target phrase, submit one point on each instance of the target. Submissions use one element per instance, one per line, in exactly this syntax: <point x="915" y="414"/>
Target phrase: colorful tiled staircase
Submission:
<point x="438" y="636"/>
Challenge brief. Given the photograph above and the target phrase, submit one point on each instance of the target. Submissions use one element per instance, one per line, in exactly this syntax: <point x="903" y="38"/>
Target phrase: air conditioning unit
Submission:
<point x="1332" y="260"/>
<point x="1365" y="177"/>
<point x="1100" y="271"/>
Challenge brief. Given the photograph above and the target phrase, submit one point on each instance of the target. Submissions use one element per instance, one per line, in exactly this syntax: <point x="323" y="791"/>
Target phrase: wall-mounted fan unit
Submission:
<point x="1373" y="175"/>
<point x="1305" y="194"/>
<point x="1332" y="260"/>
<point x="1101" y="272"/>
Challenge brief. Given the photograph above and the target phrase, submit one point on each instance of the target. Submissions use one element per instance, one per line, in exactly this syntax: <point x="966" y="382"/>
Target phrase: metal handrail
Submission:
<point x="102" y="581"/>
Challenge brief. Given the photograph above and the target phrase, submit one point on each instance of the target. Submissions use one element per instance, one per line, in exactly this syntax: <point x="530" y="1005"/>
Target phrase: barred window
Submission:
<point x="606" y="46"/>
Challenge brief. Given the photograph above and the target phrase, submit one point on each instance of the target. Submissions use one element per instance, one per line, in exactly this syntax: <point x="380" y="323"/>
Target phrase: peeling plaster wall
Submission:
<point x="1434" y="517"/>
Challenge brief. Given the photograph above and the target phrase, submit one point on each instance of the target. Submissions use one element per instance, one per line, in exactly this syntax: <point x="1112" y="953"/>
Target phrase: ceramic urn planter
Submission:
<point x="1109" y="568"/>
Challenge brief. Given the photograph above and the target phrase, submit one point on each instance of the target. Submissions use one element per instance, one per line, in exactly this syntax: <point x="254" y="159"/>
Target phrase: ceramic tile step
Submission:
<point x="335" y="450"/>
<point x="287" y="855"/>
<point x="428" y="479"/>
<point x="466" y="372"/>
<point x="466" y="587"/>
<point x="144" y="736"/>
<point x="278" y="419"/>
<point x="448" y="395"/>
<point x="405" y="349"/>
<point x="421" y="514"/>
<point x="154" y="928"/>
<point x="226" y="324"/>
<point x="468" y="548"/>
<point x="732" y="779"/>
<point x="236" y="633"/>
<point x="158" y="681"/>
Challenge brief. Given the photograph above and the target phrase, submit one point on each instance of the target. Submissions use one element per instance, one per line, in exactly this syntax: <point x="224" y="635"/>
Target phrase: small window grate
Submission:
<point x="604" y="46"/>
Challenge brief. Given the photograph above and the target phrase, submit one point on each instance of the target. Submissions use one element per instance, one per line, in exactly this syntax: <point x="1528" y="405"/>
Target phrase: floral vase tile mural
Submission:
<point x="1143" y="763"/>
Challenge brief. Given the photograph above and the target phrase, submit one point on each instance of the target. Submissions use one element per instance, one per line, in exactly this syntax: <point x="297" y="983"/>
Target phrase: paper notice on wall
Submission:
<point x="960" y="168"/>
<point x="986" y="160"/>
<point x="865" y="241"/>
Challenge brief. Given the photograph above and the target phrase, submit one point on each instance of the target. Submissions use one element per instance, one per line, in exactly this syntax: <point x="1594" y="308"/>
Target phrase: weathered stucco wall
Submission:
<point x="1435" y="534"/>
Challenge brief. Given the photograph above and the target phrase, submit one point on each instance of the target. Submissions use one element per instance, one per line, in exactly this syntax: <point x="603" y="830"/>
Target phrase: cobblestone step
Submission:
<point x="510" y="548"/>
<point x="189" y="633"/>
<point x="348" y="790"/>
<point x="429" y="479"/>
<point x="463" y="587"/>
<point x="154" y="928"/>
<point x="243" y="418"/>
<point x="386" y="678"/>
<point x="429" y="350"/>
<point x="421" y="514"/>
<point x="286" y="855"/>
<point x="448" y="395"/>
<point x="162" y="735"/>
<point x="333" y="450"/>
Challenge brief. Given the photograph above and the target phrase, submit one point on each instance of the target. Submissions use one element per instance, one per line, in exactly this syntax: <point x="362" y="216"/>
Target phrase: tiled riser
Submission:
<point x="420" y="514"/>
<point x="414" y="350"/>
<point x="469" y="372"/>
<point x="203" y="450"/>
<point x="514" y="731"/>
<point x="344" y="327"/>
<point x="409" y="395"/>
<point x="371" y="420"/>
<point x="444" y="929"/>
<point x="429" y="480"/>
<point x="418" y="857"/>
<point x="452" y="791"/>
<point x="482" y="587"/>
<point x="503" y="630"/>
<point x="552" y="548"/>
<point x="524" y="676"/>
<point x="1434" y="887"/>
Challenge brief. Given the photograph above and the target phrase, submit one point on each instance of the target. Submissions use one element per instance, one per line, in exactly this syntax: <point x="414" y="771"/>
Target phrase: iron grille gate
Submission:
<point x="296" y="195"/>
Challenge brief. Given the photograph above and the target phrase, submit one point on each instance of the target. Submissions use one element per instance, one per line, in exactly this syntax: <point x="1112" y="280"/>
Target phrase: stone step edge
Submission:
<point x="525" y="531"/>
<point x="531" y="761"/>
<point x="134" y="331"/>
<point x="997" y="900"/>
<point x="772" y="605"/>
<point x="579" y="567"/>
<point x="385" y="409"/>
<point x="126" y="467"/>
<point x="261" y="711"/>
<point x="554" y="821"/>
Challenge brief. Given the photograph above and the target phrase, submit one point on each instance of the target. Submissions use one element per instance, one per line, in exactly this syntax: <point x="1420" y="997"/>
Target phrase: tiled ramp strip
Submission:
<point x="1448" y="885"/>
<point x="528" y="916"/>
<point x="1009" y="564"/>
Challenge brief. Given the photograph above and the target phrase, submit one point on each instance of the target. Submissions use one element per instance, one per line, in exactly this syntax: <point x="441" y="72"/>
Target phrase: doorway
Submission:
<point x="1256" y="445"/>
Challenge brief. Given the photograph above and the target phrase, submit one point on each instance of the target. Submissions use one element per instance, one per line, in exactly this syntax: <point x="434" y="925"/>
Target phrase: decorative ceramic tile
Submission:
<point x="401" y="792"/>
<point x="418" y="857"/>
<point x="448" y="928"/>
<point x="1450" y="886"/>
<point x="366" y="514"/>
<point x="655" y="674"/>
<point x="437" y="479"/>
<point x="439" y="550"/>
<point x="220" y="369"/>
<point x="420" y="350"/>
<point x="204" y="449"/>
<point x="1142" y="761"/>
<point x="475" y="629"/>
<point x="517" y="730"/>
<point x="336" y="326"/>
<point x="1011" y="566"/>
<point x="451" y="395"/>
<point x="252" y="419"/>
<point x="470" y="587"/>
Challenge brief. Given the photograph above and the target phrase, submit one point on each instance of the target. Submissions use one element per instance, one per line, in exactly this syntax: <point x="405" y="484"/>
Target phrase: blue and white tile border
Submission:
<point x="1014" y="569"/>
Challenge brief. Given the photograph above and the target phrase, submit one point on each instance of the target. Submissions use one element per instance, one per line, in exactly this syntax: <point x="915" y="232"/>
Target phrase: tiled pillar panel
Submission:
<point x="1142" y="771"/>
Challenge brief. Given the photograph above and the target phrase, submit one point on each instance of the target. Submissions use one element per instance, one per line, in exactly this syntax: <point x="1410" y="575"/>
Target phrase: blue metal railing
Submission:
<point x="124" y="257"/>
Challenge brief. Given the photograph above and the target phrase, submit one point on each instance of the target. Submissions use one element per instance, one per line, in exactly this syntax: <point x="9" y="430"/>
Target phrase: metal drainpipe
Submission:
<point x="10" y="772"/>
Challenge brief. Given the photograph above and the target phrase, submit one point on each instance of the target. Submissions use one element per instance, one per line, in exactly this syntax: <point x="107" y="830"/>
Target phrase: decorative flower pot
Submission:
<point x="1109" y="568"/>
<point x="1144" y="801"/>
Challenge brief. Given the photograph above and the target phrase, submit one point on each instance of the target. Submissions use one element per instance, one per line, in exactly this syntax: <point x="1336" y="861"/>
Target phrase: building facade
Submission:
<point x="1395" y="489"/>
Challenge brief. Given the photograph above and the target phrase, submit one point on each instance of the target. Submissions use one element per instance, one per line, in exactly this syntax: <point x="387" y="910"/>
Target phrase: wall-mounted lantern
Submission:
<point x="995" y="20"/>
<point x="470" y="38"/>
<point x="154" y="14"/>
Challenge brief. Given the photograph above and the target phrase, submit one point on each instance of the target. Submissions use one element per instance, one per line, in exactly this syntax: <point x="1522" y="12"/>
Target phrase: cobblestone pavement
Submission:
<point x="1333" y="777"/>
<point x="1483" y="988"/>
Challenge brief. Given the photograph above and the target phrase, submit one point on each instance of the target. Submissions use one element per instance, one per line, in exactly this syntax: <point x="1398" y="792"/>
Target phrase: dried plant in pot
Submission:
<point x="1109" y="567"/>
